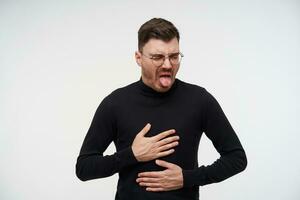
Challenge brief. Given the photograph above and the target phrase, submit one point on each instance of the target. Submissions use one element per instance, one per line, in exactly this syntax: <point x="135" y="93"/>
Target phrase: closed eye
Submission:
<point x="157" y="57"/>
<point x="174" y="56"/>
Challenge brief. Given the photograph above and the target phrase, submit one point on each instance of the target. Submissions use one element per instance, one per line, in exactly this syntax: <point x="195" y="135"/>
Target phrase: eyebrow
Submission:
<point x="160" y="54"/>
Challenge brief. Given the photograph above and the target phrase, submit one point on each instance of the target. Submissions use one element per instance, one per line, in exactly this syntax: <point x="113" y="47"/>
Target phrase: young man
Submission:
<point x="156" y="124"/>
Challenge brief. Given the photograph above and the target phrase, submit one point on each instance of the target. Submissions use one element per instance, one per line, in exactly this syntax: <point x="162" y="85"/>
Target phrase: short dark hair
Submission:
<point x="157" y="28"/>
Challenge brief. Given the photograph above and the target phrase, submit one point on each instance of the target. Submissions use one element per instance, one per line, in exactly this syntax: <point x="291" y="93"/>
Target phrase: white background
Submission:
<point x="59" y="59"/>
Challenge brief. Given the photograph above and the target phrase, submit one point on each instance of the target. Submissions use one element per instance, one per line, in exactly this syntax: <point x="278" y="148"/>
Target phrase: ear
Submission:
<point x="138" y="58"/>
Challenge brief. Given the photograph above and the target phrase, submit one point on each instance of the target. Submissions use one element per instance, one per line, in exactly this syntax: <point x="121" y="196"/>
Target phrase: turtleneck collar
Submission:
<point x="148" y="91"/>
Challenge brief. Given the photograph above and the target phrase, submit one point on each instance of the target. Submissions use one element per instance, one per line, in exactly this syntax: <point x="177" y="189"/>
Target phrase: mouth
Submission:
<point x="165" y="80"/>
<point x="165" y="75"/>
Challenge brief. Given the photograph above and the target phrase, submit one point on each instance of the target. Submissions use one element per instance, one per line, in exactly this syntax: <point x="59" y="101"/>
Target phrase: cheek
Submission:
<point x="176" y="70"/>
<point x="149" y="70"/>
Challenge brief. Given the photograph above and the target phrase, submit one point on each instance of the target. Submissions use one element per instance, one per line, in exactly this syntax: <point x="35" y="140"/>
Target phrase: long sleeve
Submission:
<point x="186" y="107"/>
<point x="232" y="155"/>
<point x="91" y="163"/>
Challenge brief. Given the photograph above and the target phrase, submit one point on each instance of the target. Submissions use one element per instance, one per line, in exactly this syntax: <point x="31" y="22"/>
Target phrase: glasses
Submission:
<point x="159" y="59"/>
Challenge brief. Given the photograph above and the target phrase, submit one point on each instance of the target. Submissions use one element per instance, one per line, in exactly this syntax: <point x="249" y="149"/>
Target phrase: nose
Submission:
<point x="167" y="64"/>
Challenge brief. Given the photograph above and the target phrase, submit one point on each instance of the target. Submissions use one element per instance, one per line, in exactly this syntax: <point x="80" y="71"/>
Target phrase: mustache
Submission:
<point x="166" y="71"/>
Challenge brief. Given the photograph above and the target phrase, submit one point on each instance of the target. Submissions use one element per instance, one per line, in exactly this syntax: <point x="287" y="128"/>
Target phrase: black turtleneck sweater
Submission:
<point x="187" y="108"/>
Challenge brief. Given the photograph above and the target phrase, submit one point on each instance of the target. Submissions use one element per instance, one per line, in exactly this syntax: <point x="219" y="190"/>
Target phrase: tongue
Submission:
<point x="165" y="81"/>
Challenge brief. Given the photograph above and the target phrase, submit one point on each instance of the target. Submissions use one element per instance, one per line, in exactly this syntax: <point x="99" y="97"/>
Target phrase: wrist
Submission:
<point x="134" y="153"/>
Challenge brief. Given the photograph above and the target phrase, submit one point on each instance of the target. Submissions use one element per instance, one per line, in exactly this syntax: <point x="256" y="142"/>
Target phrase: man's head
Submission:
<point x="158" y="53"/>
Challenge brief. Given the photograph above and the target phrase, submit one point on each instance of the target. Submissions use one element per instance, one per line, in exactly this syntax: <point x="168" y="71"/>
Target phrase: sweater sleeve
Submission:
<point x="232" y="155"/>
<point x="91" y="163"/>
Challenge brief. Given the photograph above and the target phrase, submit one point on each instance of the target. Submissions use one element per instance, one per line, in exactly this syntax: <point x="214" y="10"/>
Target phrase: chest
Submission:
<point x="185" y="119"/>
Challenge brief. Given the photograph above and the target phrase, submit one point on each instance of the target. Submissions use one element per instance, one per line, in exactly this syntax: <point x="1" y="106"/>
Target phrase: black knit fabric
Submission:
<point x="187" y="108"/>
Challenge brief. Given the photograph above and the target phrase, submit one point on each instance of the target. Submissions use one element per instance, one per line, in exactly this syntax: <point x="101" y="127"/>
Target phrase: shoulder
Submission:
<point x="124" y="90"/>
<point x="192" y="88"/>
<point x="121" y="93"/>
<point x="197" y="92"/>
<point x="112" y="100"/>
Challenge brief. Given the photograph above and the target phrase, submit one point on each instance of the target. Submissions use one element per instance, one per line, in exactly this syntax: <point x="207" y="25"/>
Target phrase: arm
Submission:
<point x="91" y="163"/>
<point x="232" y="161"/>
<point x="232" y="155"/>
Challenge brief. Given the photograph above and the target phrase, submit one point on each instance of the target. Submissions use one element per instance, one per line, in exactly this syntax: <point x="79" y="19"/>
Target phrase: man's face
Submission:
<point x="160" y="78"/>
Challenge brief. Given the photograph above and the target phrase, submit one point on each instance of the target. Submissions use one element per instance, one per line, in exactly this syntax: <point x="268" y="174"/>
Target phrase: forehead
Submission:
<point x="160" y="46"/>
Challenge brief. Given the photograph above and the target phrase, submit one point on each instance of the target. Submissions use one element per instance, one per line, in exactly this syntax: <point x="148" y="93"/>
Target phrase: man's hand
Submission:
<point x="150" y="148"/>
<point x="157" y="181"/>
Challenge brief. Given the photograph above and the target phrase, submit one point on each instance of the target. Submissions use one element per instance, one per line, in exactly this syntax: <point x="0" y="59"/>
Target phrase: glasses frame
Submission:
<point x="164" y="59"/>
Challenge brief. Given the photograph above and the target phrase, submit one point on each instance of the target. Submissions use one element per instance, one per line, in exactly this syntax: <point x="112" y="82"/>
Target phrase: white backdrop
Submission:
<point x="59" y="59"/>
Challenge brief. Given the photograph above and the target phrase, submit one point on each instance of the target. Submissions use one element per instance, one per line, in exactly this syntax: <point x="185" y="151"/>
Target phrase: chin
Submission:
<point x="164" y="89"/>
<point x="160" y="88"/>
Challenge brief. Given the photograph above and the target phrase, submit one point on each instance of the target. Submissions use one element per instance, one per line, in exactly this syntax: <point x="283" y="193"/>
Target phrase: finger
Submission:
<point x="150" y="184"/>
<point x="165" y="153"/>
<point x="153" y="189"/>
<point x="167" y="140"/>
<point x="145" y="129"/>
<point x="150" y="174"/>
<point x="167" y="146"/>
<point x="164" y="134"/>
<point x="164" y="164"/>
<point x="147" y="180"/>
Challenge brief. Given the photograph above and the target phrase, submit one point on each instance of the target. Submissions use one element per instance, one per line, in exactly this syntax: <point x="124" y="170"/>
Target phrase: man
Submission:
<point x="156" y="124"/>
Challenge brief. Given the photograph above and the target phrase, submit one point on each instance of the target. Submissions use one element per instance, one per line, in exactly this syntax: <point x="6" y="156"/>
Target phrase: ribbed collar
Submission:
<point x="148" y="91"/>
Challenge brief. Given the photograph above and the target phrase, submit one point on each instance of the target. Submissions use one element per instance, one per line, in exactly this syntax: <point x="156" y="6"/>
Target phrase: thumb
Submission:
<point x="145" y="129"/>
<point x="164" y="164"/>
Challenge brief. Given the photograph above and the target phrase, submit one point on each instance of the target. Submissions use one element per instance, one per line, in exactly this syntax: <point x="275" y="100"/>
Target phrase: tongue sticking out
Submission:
<point x="165" y="81"/>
